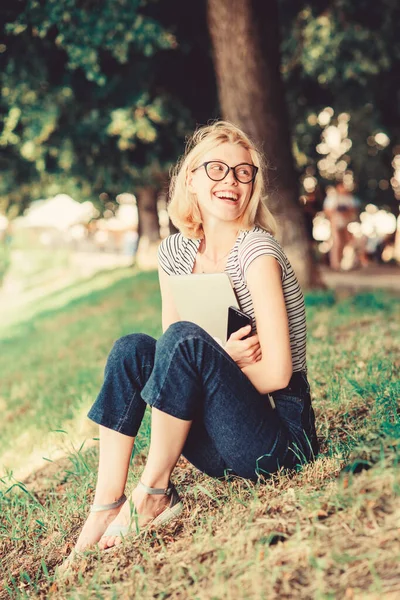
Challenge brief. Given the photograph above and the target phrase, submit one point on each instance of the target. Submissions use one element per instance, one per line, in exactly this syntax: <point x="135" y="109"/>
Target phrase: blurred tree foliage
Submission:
<point x="91" y="100"/>
<point x="98" y="96"/>
<point x="345" y="54"/>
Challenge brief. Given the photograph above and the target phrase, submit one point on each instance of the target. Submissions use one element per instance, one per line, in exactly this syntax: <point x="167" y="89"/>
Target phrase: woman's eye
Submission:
<point x="216" y="167"/>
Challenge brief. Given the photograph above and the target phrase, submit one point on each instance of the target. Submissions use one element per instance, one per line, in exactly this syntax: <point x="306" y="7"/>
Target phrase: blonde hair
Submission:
<point x="183" y="207"/>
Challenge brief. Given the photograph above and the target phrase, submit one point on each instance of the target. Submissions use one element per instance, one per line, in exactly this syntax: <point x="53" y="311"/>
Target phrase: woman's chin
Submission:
<point x="224" y="215"/>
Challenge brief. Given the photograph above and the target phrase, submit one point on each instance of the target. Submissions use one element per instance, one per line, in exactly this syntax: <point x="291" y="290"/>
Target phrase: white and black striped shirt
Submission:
<point x="177" y="256"/>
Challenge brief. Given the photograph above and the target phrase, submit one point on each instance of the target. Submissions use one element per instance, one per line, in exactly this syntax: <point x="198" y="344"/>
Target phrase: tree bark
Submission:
<point x="246" y="41"/>
<point x="149" y="229"/>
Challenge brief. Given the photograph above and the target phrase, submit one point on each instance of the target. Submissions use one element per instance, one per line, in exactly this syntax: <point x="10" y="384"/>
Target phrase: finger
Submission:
<point x="251" y="343"/>
<point x="254" y="356"/>
<point x="240" y="333"/>
<point x="256" y="346"/>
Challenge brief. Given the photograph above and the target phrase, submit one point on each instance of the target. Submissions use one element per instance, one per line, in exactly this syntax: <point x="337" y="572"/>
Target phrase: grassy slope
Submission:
<point x="320" y="533"/>
<point x="52" y="366"/>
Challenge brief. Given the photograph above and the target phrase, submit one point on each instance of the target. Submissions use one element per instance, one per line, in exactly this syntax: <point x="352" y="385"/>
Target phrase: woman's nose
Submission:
<point x="230" y="177"/>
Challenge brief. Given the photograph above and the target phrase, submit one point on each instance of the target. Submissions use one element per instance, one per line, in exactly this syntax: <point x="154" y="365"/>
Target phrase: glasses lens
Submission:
<point x="244" y="173"/>
<point x="216" y="170"/>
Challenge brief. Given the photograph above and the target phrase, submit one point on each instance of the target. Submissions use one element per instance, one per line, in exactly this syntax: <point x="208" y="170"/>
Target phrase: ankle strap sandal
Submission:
<point x="175" y="506"/>
<point x="100" y="507"/>
<point x="149" y="490"/>
<point x="170" y="512"/>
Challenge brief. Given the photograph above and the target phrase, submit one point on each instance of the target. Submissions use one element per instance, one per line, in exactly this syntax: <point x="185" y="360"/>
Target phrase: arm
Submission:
<point x="274" y="370"/>
<point x="168" y="310"/>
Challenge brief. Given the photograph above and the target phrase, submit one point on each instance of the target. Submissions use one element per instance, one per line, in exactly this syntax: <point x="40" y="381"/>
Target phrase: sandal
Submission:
<point x="116" y="504"/>
<point x="170" y="512"/>
<point x="62" y="570"/>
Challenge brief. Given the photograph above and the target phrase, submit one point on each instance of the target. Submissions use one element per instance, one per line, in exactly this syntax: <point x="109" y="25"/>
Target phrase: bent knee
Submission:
<point x="183" y="329"/>
<point x="129" y="345"/>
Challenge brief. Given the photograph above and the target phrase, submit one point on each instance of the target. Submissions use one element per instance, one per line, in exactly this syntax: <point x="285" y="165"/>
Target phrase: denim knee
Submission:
<point x="128" y="345"/>
<point x="175" y="386"/>
<point x="178" y="332"/>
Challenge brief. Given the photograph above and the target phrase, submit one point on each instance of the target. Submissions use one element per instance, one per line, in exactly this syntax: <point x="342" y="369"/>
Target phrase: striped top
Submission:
<point x="177" y="255"/>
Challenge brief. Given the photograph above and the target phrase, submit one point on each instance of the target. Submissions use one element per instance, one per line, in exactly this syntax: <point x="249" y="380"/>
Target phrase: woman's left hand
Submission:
<point x="244" y="352"/>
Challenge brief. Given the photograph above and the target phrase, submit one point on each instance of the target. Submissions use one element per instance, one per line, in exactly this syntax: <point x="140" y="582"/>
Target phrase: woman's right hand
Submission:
<point x="243" y="352"/>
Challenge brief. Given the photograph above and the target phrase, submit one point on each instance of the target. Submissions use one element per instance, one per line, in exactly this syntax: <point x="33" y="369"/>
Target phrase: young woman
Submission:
<point x="210" y="403"/>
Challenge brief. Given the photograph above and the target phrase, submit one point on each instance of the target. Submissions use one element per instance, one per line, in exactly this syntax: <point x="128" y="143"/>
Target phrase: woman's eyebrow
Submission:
<point x="242" y="162"/>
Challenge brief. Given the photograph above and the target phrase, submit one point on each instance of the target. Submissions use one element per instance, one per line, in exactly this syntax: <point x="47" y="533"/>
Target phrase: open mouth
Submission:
<point x="230" y="197"/>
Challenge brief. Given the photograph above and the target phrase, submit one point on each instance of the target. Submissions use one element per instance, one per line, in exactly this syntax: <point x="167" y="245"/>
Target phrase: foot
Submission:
<point x="147" y="508"/>
<point x="94" y="527"/>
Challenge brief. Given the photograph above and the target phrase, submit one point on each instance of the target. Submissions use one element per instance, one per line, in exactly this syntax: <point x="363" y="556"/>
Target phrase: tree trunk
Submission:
<point x="245" y="39"/>
<point x="149" y="229"/>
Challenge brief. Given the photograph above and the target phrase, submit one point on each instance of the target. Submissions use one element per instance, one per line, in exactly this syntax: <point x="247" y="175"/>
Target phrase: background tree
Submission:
<point x="91" y="101"/>
<point x="345" y="55"/>
<point x="246" y="42"/>
<point x="97" y="98"/>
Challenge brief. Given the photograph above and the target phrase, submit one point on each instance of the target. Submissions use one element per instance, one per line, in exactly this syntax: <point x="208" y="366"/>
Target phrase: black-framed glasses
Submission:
<point x="218" y="170"/>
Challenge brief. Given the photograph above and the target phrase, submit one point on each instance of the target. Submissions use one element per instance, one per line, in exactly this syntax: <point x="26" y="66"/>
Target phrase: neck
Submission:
<point x="218" y="239"/>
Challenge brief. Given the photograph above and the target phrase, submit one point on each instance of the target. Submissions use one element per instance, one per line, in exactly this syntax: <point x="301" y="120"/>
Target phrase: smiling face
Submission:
<point x="224" y="200"/>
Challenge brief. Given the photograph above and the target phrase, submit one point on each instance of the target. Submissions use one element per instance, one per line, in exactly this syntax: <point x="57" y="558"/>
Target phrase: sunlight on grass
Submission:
<point x="43" y="302"/>
<point x="330" y="530"/>
<point x="53" y="365"/>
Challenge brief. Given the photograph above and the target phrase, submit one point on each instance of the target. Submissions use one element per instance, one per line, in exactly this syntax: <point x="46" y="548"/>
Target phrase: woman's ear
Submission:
<point x="189" y="183"/>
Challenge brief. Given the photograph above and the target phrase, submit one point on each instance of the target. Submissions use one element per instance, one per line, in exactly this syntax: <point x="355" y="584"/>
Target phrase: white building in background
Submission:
<point x="55" y="222"/>
<point x="60" y="212"/>
<point x="63" y="222"/>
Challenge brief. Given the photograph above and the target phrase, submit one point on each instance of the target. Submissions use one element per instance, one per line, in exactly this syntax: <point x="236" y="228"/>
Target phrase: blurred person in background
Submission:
<point x="341" y="207"/>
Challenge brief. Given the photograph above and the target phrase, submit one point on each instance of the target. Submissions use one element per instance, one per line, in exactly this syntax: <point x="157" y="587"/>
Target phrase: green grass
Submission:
<point x="325" y="532"/>
<point x="52" y="366"/>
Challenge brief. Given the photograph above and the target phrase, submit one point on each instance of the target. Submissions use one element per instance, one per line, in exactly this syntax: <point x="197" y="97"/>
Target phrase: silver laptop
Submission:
<point x="204" y="299"/>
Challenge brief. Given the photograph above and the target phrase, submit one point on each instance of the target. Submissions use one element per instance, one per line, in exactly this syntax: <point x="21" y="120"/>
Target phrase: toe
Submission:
<point x="102" y="543"/>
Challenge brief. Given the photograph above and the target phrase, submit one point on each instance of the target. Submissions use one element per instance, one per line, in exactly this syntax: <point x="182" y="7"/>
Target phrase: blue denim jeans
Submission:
<point x="188" y="375"/>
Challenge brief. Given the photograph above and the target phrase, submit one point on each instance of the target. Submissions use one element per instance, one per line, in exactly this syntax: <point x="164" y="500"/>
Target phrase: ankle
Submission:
<point x="105" y="497"/>
<point x="155" y="481"/>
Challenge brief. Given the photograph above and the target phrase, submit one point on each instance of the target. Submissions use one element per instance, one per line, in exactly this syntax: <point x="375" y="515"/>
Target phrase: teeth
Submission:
<point x="229" y="195"/>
